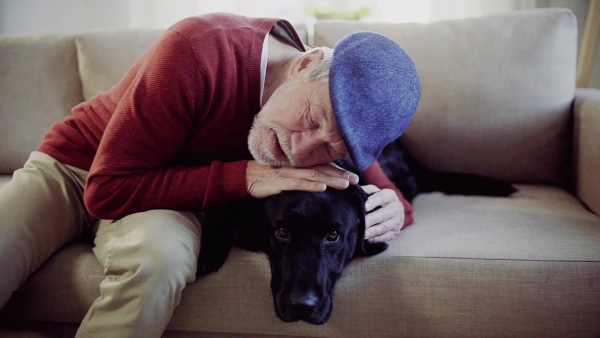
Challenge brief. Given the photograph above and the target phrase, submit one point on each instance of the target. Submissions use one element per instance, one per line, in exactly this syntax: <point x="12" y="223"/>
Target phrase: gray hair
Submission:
<point x="320" y="72"/>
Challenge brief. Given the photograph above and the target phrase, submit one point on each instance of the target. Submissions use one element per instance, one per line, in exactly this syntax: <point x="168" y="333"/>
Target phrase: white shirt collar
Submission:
<point x="263" y="67"/>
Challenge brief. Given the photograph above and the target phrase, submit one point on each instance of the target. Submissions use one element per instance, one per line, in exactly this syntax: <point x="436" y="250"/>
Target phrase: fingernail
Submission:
<point x="368" y="206"/>
<point x="344" y="183"/>
<point x="353" y="178"/>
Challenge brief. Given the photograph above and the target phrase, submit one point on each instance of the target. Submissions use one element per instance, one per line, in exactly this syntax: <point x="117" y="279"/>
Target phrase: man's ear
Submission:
<point x="305" y="61"/>
<point x="362" y="246"/>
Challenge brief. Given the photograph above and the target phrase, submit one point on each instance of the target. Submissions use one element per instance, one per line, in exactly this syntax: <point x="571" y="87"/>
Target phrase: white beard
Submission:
<point x="261" y="130"/>
<point x="261" y="153"/>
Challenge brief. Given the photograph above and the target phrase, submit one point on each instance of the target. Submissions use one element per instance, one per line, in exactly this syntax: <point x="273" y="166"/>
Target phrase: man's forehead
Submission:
<point x="323" y="102"/>
<point x="325" y="111"/>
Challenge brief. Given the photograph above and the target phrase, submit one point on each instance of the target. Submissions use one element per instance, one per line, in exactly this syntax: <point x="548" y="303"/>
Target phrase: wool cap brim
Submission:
<point x="374" y="89"/>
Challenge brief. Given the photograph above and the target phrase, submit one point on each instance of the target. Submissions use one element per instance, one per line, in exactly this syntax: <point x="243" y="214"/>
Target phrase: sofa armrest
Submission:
<point x="586" y="147"/>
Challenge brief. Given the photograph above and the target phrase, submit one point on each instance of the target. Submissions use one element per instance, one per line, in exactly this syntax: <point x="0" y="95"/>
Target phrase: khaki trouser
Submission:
<point x="148" y="257"/>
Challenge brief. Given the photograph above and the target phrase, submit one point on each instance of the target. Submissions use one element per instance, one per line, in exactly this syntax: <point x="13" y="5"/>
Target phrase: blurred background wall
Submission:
<point x="19" y="17"/>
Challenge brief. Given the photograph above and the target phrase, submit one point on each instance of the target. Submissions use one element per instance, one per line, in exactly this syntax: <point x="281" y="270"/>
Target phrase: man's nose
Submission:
<point x="304" y="143"/>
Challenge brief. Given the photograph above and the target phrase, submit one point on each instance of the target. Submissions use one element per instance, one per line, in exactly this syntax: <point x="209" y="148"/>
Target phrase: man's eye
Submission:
<point x="282" y="234"/>
<point x="330" y="153"/>
<point x="312" y="122"/>
<point x="332" y="236"/>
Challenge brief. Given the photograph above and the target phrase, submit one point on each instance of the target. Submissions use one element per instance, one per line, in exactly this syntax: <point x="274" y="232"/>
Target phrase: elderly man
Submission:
<point x="218" y="108"/>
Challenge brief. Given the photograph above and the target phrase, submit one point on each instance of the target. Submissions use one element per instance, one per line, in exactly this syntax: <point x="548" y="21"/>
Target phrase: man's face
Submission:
<point x="296" y="127"/>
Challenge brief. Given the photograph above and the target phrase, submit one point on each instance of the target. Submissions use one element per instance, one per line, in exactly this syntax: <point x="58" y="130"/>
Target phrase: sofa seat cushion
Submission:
<point x="534" y="253"/>
<point x="496" y="91"/>
<point x="4" y="179"/>
<point x="536" y="223"/>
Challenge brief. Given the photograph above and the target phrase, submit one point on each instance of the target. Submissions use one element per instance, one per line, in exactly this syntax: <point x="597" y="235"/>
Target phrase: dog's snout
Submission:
<point x="304" y="304"/>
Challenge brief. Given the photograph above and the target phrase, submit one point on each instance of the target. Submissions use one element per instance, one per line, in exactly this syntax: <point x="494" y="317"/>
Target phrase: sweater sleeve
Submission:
<point x="375" y="175"/>
<point x="131" y="171"/>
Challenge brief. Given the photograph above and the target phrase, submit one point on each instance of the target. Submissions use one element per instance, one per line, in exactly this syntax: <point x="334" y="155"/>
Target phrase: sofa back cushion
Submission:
<point x="43" y="77"/>
<point x="39" y="84"/>
<point x="496" y="91"/>
<point x="105" y="56"/>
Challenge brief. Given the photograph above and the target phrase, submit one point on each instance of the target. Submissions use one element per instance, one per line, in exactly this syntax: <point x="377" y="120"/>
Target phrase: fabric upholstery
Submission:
<point x="586" y="150"/>
<point x="501" y="106"/>
<point x="39" y="84"/>
<point x="497" y="97"/>
<point x="105" y="56"/>
<point x="502" y="266"/>
<point x="4" y="179"/>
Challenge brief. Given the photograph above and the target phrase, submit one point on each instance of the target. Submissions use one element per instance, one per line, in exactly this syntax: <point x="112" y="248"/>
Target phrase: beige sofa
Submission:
<point x="499" y="99"/>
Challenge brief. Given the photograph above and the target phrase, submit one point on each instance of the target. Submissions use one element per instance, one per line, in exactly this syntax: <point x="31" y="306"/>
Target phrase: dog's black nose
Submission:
<point x="304" y="304"/>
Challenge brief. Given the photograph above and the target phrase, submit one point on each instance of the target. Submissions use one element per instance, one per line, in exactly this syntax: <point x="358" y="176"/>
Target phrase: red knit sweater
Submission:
<point x="172" y="134"/>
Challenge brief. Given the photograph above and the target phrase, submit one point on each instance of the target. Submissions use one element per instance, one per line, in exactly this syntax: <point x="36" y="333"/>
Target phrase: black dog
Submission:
<point x="412" y="178"/>
<point x="309" y="239"/>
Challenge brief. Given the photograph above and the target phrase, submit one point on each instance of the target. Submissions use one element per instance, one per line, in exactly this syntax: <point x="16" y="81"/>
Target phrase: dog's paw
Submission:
<point x="371" y="249"/>
<point x="210" y="262"/>
<point x="206" y="268"/>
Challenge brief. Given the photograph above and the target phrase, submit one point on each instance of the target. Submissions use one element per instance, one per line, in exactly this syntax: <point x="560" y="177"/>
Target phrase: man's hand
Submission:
<point x="263" y="181"/>
<point x="384" y="224"/>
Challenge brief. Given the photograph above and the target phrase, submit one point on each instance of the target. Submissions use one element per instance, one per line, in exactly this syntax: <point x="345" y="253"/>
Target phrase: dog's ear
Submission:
<point x="250" y="232"/>
<point x="370" y="249"/>
<point x="362" y="246"/>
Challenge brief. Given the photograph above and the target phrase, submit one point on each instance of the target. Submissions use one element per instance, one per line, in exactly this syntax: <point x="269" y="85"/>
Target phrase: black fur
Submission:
<point x="309" y="239"/>
<point x="305" y="265"/>
<point x="412" y="178"/>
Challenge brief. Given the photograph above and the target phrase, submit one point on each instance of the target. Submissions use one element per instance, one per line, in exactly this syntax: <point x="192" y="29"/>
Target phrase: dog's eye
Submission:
<point x="282" y="233"/>
<point x="333" y="236"/>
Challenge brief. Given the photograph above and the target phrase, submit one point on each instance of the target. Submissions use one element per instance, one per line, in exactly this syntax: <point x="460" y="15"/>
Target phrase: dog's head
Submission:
<point x="310" y="238"/>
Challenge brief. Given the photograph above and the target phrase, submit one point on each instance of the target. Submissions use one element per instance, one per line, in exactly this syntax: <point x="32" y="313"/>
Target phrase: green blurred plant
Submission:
<point x="321" y="14"/>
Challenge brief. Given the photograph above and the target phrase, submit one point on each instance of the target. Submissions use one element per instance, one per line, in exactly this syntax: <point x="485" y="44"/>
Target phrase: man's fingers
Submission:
<point x="381" y="230"/>
<point x="383" y="238"/>
<point x="370" y="189"/>
<point x="385" y="223"/>
<point x="287" y="183"/>
<point x="380" y="216"/>
<point x="380" y="198"/>
<point x="263" y="181"/>
<point x="337" y="171"/>
<point x="326" y="174"/>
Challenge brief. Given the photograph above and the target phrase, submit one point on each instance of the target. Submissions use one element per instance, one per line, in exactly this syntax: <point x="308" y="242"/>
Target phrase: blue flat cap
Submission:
<point x="374" y="89"/>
